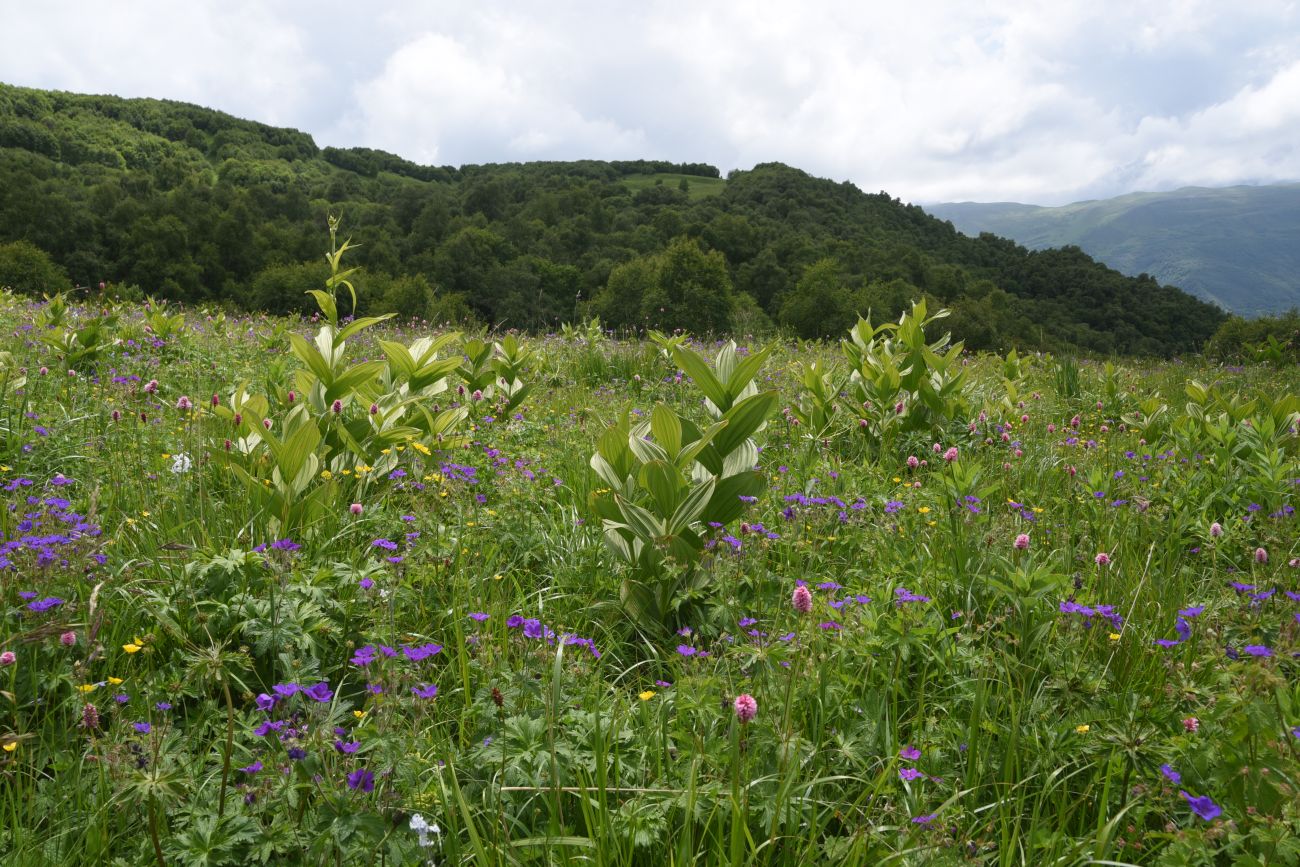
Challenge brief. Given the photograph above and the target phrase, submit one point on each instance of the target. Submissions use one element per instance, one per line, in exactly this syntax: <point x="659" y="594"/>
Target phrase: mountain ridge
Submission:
<point x="1237" y="246"/>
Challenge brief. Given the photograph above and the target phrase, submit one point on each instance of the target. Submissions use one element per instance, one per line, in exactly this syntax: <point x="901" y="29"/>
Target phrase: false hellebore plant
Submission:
<point x="670" y="480"/>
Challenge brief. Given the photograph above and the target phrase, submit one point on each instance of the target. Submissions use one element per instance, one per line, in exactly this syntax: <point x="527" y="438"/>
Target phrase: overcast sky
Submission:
<point x="1023" y="100"/>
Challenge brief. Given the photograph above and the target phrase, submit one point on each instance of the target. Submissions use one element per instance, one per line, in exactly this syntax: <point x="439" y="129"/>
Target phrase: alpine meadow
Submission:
<point x="615" y="513"/>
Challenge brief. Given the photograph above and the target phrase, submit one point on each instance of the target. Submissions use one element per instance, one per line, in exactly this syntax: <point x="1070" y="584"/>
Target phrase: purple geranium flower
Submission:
<point x="321" y="692"/>
<point x="424" y="651"/>
<point x="361" y="779"/>
<point x="1203" y="807"/>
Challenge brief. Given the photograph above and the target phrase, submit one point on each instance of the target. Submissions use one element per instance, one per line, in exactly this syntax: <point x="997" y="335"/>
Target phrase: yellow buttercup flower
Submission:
<point x="115" y="680"/>
<point x="647" y="695"/>
<point x="924" y="510"/>
<point x="1114" y="636"/>
<point x="87" y="687"/>
<point x="11" y="746"/>
<point x="359" y="714"/>
<point x="1083" y="729"/>
<point x="134" y="647"/>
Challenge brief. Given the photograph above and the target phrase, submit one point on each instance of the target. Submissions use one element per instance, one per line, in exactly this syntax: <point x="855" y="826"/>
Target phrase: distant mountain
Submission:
<point x="1236" y="246"/>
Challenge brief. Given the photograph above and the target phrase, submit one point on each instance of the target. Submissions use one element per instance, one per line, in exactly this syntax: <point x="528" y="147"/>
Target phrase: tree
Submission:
<point x="820" y="305"/>
<point x="25" y="267"/>
<point x="691" y="292"/>
<point x="618" y="303"/>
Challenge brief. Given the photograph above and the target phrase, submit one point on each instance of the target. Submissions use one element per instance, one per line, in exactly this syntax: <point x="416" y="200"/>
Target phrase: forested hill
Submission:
<point x="192" y="204"/>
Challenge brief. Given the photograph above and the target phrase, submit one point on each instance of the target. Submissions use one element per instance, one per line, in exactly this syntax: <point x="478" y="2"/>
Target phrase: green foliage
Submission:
<point x="196" y="206"/>
<point x="1272" y="339"/>
<point x="26" y="268"/>
<point x="899" y="382"/>
<point x="80" y="346"/>
<point x="668" y="479"/>
<point x="819" y="306"/>
<point x="953" y="693"/>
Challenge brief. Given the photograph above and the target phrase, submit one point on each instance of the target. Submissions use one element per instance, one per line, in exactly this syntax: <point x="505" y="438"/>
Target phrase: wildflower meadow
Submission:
<point x="368" y="591"/>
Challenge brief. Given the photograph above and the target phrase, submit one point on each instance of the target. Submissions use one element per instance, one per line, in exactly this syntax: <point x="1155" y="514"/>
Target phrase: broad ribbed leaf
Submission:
<point x="639" y="521"/>
<point x="691" y="507"/>
<point x="744" y="419"/>
<point x="667" y="429"/>
<point x="698" y="370"/>
<point x="726" y="506"/>
<point x="360" y="324"/>
<point x="309" y="356"/>
<point x="664" y="483"/>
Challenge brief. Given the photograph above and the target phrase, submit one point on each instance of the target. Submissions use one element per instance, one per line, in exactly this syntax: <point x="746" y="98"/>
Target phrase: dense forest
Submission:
<point x="186" y="203"/>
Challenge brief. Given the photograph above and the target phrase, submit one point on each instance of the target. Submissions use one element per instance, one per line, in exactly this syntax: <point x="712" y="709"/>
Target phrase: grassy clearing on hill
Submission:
<point x="261" y="605"/>
<point x="697" y="187"/>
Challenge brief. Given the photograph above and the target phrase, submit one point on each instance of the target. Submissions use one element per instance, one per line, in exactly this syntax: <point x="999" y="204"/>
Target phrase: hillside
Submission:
<point x="1235" y="246"/>
<point x="196" y="205"/>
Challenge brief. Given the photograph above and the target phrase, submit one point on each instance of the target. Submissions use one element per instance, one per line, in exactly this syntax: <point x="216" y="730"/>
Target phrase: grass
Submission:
<point x="951" y="697"/>
<point x="698" y="187"/>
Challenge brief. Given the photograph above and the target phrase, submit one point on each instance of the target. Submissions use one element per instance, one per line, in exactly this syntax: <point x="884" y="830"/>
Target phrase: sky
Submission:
<point x="928" y="100"/>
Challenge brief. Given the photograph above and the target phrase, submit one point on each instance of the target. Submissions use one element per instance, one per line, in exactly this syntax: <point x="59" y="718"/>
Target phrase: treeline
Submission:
<point x="1273" y="339"/>
<point x="195" y="205"/>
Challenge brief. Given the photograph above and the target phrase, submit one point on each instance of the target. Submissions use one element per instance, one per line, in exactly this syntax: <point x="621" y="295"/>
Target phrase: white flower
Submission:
<point x="424" y="829"/>
<point x="181" y="463"/>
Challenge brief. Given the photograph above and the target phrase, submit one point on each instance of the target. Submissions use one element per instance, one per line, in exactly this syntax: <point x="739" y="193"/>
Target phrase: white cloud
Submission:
<point x="436" y="100"/>
<point x="931" y="101"/>
<point x="239" y="56"/>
